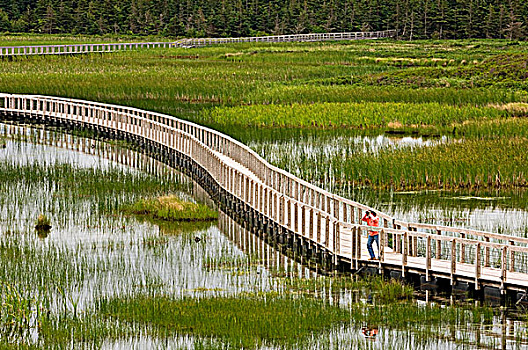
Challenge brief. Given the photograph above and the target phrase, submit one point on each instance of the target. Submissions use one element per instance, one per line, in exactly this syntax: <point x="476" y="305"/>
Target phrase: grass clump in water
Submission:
<point x="171" y="208"/>
<point x="43" y="223"/>
<point x="241" y="321"/>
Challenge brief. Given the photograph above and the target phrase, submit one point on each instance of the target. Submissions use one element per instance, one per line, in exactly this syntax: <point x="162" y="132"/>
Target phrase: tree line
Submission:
<point x="414" y="19"/>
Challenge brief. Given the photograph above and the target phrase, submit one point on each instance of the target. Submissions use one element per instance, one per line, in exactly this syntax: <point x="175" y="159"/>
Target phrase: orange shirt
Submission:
<point x="371" y="222"/>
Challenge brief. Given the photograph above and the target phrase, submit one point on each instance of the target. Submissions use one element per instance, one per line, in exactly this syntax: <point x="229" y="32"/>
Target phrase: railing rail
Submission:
<point x="329" y="221"/>
<point x="69" y="49"/>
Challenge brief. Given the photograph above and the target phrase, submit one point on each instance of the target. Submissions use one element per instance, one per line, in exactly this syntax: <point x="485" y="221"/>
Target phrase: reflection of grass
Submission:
<point x="176" y="227"/>
<point x="171" y="208"/>
<point x="286" y="318"/>
<point x="18" y="313"/>
<point x="384" y="292"/>
<point x="77" y="181"/>
<point x="254" y="320"/>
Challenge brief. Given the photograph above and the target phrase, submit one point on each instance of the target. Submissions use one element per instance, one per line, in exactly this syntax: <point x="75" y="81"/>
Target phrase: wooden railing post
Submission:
<point x="438" y="253"/>
<point x="504" y="263"/>
<point x="318" y="219"/>
<point x="337" y="239"/>
<point x="358" y="245"/>
<point x="427" y="257"/>
<point x="382" y="246"/>
<point x="453" y="259"/>
<point x="327" y="231"/>
<point x="311" y="223"/>
<point x="462" y="249"/>
<point x="477" y="266"/>
<point x="296" y="218"/>
<point x="405" y="245"/>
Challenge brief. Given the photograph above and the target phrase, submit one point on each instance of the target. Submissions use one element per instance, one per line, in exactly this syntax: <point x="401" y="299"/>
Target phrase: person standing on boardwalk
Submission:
<point x="371" y="219"/>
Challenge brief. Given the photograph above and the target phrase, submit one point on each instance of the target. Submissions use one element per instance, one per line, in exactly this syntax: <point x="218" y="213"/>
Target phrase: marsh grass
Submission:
<point x="20" y="314"/>
<point x="171" y="208"/>
<point x="367" y="115"/>
<point x="482" y="163"/>
<point x="184" y="82"/>
<point x="281" y="320"/>
<point x="307" y="86"/>
<point x="243" y="322"/>
<point x="136" y="265"/>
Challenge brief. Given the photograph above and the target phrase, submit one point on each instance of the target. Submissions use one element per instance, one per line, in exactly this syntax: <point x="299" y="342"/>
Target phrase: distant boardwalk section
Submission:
<point x="317" y="224"/>
<point x="6" y="51"/>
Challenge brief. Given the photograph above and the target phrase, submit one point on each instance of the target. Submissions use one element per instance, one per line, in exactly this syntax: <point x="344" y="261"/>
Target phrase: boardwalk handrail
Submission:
<point x="329" y="221"/>
<point x="27" y="50"/>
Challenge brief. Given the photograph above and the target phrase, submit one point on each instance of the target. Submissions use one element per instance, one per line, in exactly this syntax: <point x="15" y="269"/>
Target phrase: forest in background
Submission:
<point x="414" y="19"/>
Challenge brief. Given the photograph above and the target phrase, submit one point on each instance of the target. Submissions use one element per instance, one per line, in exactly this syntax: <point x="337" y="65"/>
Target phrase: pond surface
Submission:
<point x="94" y="251"/>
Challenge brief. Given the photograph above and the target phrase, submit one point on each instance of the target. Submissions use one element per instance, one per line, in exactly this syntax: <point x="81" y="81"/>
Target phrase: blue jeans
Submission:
<point x="369" y="244"/>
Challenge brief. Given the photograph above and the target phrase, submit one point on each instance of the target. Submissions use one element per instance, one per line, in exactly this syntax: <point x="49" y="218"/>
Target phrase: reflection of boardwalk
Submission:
<point x="278" y="203"/>
<point x="7" y="51"/>
<point x="260" y="251"/>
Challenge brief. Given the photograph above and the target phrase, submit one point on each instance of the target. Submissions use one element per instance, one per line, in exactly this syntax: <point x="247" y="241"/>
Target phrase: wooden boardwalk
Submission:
<point x="328" y="224"/>
<point x="10" y="51"/>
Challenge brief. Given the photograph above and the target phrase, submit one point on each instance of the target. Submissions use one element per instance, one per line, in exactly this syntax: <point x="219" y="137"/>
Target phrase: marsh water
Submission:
<point x="497" y="211"/>
<point x="94" y="251"/>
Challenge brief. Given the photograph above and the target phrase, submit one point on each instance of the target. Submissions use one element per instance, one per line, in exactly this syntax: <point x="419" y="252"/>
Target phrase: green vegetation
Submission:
<point x="244" y="322"/>
<point x="472" y="91"/>
<point x="474" y="164"/>
<point x="171" y="208"/>
<point x="387" y="116"/>
<point x="105" y="185"/>
<point x="18" y="313"/>
<point x="382" y="291"/>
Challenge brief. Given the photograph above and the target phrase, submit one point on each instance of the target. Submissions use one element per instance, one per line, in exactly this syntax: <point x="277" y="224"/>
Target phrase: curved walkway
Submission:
<point x="329" y="223"/>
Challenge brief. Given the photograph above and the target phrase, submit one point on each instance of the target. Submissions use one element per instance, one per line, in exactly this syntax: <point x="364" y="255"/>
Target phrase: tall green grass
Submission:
<point x="183" y="82"/>
<point x="495" y="163"/>
<point x="240" y="321"/>
<point x="354" y="93"/>
<point x="368" y="115"/>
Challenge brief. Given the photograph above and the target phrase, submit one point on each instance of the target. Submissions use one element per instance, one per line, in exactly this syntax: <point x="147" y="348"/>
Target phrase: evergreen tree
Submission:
<point x="413" y="19"/>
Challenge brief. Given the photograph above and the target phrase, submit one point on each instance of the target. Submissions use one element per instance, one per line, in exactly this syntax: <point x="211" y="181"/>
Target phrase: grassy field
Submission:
<point x="469" y="90"/>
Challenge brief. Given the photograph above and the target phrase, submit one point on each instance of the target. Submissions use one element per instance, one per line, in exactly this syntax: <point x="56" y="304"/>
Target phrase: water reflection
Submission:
<point x="106" y="255"/>
<point x="324" y="148"/>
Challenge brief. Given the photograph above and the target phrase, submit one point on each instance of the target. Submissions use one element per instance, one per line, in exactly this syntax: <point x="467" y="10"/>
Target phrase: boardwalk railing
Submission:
<point x="330" y="222"/>
<point x="113" y="47"/>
